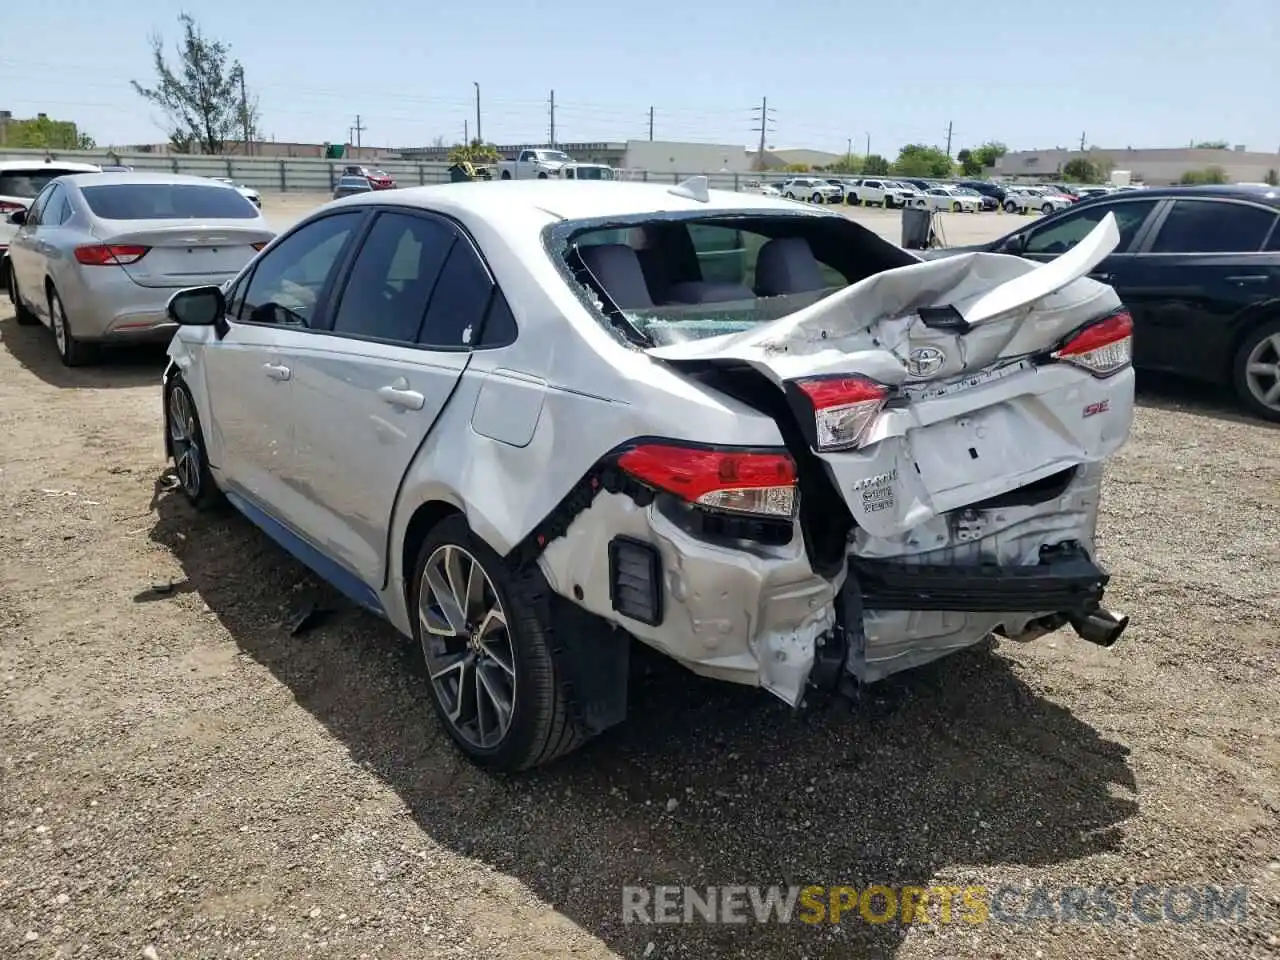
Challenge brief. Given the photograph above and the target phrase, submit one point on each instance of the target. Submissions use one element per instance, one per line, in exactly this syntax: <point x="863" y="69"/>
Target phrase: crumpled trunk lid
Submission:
<point x="955" y="337"/>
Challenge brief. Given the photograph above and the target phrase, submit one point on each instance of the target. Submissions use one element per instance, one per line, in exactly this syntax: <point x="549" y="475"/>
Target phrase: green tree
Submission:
<point x="474" y="152"/>
<point x="847" y="165"/>
<point x="42" y="133"/>
<point x="989" y="153"/>
<point x="796" y="168"/>
<point x="970" y="165"/>
<point x="875" y="166"/>
<point x="1212" y="145"/>
<point x="86" y="142"/>
<point x="917" y="160"/>
<point x="1082" y="170"/>
<point x="1207" y="175"/>
<point x="201" y="94"/>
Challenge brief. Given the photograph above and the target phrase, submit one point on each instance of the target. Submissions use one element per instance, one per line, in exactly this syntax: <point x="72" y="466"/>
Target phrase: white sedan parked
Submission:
<point x="528" y="422"/>
<point x="1028" y="199"/>
<point x="954" y="199"/>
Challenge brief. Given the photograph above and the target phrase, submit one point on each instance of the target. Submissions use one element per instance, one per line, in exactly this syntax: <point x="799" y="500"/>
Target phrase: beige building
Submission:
<point x="1153" y="167"/>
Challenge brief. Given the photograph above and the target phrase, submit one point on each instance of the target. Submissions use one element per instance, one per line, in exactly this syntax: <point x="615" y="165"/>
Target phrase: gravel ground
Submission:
<point x="182" y="778"/>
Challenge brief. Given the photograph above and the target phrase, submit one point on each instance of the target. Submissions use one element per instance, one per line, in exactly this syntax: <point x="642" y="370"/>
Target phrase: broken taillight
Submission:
<point x="1105" y="347"/>
<point x="842" y="408"/>
<point x="757" y="482"/>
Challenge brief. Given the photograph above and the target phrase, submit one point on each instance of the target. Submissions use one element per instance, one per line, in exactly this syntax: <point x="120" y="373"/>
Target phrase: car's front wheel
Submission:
<point x="185" y="442"/>
<point x="956" y="208"/>
<point x="1047" y="209"/>
<point x="1257" y="371"/>
<point x="487" y="644"/>
<point x="73" y="351"/>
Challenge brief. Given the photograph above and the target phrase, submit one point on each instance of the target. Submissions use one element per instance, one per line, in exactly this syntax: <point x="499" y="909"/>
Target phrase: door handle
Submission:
<point x="1249" y="278"/>
<point x="402" y="396"/>
<point x="277" y="371"/>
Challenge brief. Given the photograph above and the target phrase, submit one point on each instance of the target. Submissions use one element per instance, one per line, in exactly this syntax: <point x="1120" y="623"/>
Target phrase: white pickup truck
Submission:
<point x="534" y="164"/>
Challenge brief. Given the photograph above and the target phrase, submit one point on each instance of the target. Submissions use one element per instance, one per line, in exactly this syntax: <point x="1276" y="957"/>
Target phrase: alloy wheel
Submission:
<point x="58" y="320"/>
<point x="467" y="644"/>
<point x="1262" y="371"/>
<point x="185" y="442"/>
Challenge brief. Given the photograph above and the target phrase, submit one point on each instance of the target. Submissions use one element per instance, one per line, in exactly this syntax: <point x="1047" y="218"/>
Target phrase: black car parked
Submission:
<point x="987" y="189"/>
<point x="1199" y="269"/>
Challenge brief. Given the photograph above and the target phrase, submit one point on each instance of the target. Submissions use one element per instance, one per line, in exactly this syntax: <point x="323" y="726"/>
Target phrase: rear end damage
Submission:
<point x="937" y="481"/>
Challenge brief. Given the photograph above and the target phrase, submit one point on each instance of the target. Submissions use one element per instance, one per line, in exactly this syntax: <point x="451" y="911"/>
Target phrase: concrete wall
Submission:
<point x="1154" y="167"/>
<point x="665" y="156"/>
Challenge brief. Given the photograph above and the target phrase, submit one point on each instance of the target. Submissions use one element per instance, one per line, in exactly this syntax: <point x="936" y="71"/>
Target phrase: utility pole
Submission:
<point x="651" y="123"/>
<point x="764" y="120"/>
<point x="553" y="118"/>
<point x="359" y="128"/>
<point x="1082" y="142"/>
<point x="244" y="115"/>
<point x="948" y="138"/>
<point x="848" y="151"/>
<point x="868" y="153"/>
<point x="479" y="135"/>
<point x="466" y="133"/>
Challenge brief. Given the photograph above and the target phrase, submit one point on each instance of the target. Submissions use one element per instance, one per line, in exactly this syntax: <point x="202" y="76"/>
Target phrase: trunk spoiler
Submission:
<point x="977" y="287"/>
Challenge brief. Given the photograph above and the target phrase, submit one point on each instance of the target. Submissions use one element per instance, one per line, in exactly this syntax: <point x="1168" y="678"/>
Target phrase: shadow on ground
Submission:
<point x="119" y="366"/>
<point x="956" y="765"/>
<point x="1195" y="397"/>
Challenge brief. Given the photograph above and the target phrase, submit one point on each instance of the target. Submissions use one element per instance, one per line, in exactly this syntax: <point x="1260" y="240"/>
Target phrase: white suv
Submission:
<point x="886" y="193"/>
<point x="812" y="189"/>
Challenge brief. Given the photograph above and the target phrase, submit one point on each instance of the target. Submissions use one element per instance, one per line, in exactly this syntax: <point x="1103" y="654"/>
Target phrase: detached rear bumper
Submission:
<point x="1065" y="581"/>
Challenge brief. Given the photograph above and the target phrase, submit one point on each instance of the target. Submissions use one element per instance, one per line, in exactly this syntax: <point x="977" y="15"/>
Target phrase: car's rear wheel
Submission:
<point x="506" y="175"/>
<point x="487" y="643"/>
<point x="851" y="199"/>
<point x="24" y="316"/>
<point x="185" y="442"/>
<point x="1047" y="209"/>
<point x="955" y="208"/>
<point x="816" y="198"/>
<point x="922" y="203"/>
<point x="1010" y="207"/>
<point x="73" y="351"/>
<point x="542" y="176"/>
<point x="1257" y="371"/>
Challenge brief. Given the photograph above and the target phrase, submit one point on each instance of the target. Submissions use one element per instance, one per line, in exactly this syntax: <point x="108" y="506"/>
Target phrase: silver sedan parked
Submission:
<point x="97" y="256"/>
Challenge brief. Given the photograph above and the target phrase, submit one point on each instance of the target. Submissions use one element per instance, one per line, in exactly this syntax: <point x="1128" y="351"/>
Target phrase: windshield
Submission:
<point x="673" y="278"/>
<point x="594" y="173"/>
<point x="25" y="184"/>
<point x="555" y="155"/>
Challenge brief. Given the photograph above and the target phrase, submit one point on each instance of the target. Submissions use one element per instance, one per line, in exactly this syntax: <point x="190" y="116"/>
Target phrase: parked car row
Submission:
<point x="963" y="196"/>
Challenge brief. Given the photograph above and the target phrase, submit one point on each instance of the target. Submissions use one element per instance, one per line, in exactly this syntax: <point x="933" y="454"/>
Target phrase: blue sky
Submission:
<point x="1033" y="74"/>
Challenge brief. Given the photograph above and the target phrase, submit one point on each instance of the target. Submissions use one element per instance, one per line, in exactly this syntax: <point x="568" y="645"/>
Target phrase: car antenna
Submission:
<point x="695" y="188"/>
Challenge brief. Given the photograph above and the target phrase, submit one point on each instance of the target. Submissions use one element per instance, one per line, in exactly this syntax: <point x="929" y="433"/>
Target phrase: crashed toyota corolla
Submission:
<point x="527" y="422"/>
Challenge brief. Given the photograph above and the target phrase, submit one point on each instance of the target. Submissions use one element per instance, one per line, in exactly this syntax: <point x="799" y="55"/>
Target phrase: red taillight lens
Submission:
<point x="1103" y="348"/>
<point x="754" y="482"/>
<point x="844" y="408"/>
<point x="8" y="207"/>
<point x="109" y="255"/>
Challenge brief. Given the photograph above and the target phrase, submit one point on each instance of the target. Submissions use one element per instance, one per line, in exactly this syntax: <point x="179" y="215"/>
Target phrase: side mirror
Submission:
<point x="18" y="217"/>
<point x="197" y="306"/>
<point x="1014" y="244"/>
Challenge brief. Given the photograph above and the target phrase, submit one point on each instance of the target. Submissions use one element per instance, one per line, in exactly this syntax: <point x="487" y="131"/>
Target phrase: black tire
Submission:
<point x="195" y="480"/>
<point x="1047" y="209"/>
<point x="851" y="199"/>
<point x="921" y="203"/>
<point x="24" y="316"/>
<point x="1257" y="340"/>
<point x="506" y="175"/>
<point x="542" y="176"/>
<point x="816" y="198"/>
<point x="956" y="208"/>
<point x="790" y="195"/>
<point x="1010" y="207"/>
<point x="542" y="727"/>
<point x="74" y="352"/>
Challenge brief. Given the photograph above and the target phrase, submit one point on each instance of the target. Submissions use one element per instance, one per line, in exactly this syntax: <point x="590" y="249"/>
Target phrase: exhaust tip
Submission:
<point x="1101" y="627"/>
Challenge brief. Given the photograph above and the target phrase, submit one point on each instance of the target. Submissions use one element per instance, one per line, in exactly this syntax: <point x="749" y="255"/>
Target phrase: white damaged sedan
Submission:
<point x="529" y="422"/>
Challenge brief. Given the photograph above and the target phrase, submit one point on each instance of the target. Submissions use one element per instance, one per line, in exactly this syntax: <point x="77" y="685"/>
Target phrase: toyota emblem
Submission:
<point x="925" y="361"/>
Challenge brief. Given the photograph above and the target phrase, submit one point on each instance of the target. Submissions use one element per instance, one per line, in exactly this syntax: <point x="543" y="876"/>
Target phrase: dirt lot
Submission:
<point x="182" y="778"/>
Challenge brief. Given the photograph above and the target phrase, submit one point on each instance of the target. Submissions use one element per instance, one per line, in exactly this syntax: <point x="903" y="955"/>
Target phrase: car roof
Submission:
<point x="143" y="177"/>
<point x="1267" y="195"/>
<point x="572" y="200"/>
<point x="8" y="166"/>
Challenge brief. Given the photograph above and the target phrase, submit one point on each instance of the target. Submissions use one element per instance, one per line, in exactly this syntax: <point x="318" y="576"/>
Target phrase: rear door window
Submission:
<point x="167" y="201"/>
<point x="1213" y="226"/>
<point x="386" y="293"/>
<point x="459" y="302"/>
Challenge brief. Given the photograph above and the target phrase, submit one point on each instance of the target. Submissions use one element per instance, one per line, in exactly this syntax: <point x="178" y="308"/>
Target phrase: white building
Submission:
<point x="669" y="156"/>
